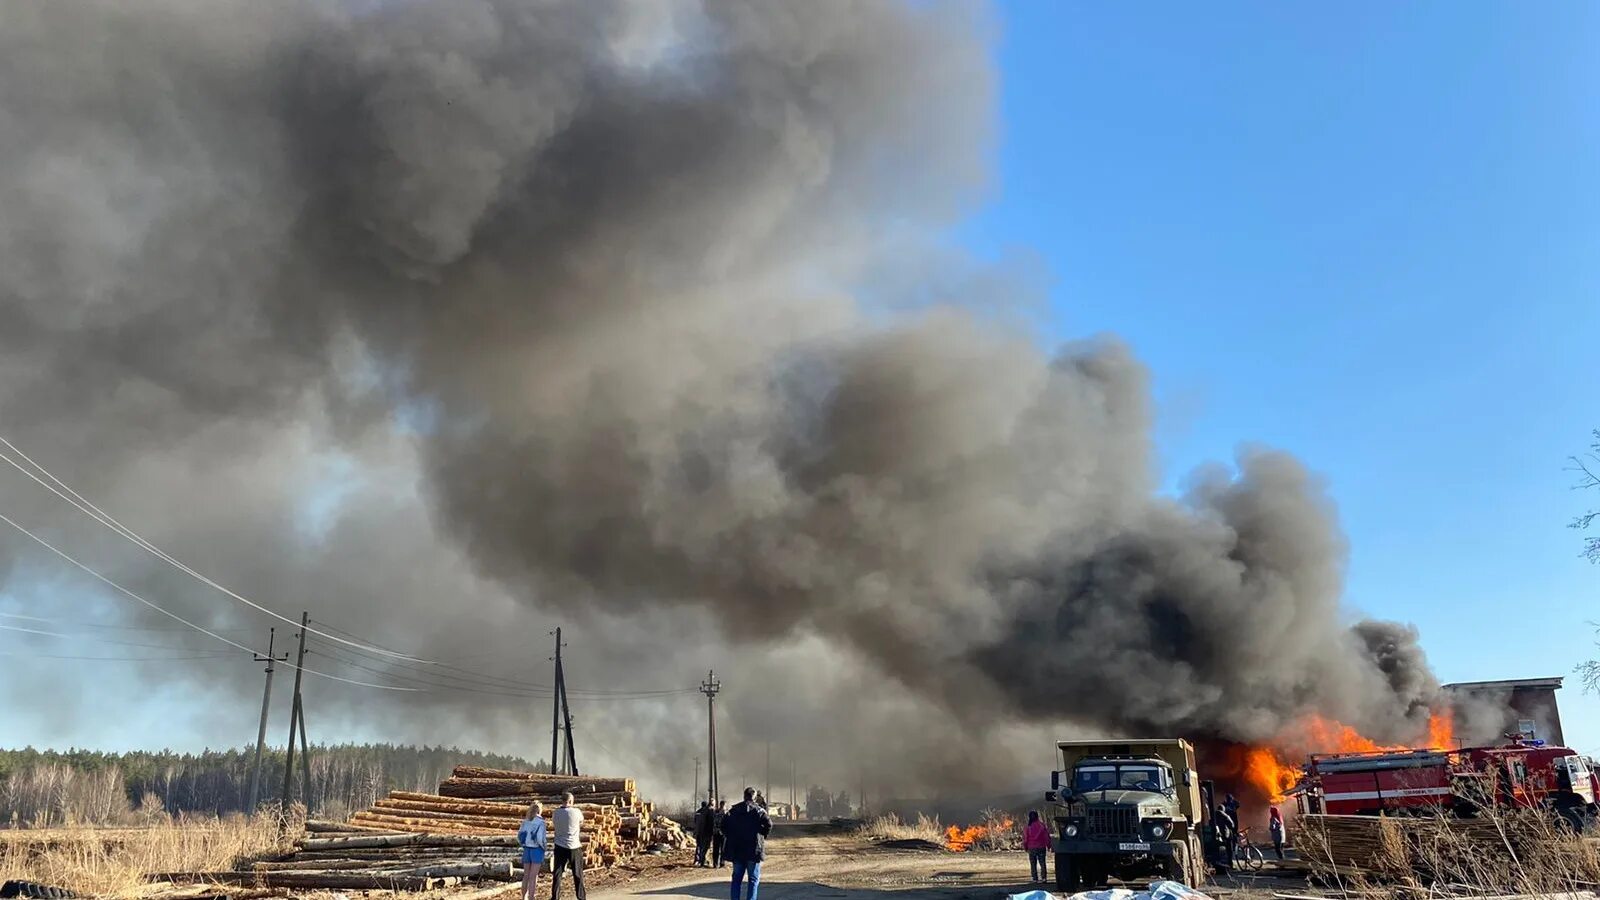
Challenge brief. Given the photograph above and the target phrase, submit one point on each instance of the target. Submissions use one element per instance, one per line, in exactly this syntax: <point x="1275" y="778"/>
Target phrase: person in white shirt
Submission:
<point x="532" y="838"/>
<point x="568" y="821"/>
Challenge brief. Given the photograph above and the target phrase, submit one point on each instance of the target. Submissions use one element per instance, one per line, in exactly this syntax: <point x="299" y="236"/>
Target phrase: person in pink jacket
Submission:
<point x="1036" y="840"/>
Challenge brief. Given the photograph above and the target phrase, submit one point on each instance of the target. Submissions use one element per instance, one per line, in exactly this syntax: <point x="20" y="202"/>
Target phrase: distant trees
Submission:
<point x="84" y="787"/>
<point x="1587" y="465"/>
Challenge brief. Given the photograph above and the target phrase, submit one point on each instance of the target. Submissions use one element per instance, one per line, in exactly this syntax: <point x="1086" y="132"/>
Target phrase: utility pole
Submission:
<point x="794" y="813"/>
<point x="696" y="795"/>
<point x="261" y="733"/>
<point x="294" y="719"/>
<point x="768" y="794"/>
<point x="555" y="710"/>
<point x="710" y="687"/>
<point x="566" y="712"/>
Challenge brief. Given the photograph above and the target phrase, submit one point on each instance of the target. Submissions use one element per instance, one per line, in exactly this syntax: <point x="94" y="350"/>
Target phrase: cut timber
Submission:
<point x="330" y="880"/>
<point x="410" y="840"/>
<point x="495" y="787"/>
<point x="600" y="782"/>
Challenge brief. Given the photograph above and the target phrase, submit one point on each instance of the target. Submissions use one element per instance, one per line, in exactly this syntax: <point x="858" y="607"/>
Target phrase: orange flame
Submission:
<point x="961" y="839"/>
<point x="1268" y="769"/>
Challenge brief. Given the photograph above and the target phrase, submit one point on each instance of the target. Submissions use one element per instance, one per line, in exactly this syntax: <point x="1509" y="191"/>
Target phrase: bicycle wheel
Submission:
<point x="1251" y="857"/>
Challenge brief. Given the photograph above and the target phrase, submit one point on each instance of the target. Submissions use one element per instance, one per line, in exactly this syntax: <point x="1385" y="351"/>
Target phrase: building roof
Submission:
<point x="1512" y="684"/>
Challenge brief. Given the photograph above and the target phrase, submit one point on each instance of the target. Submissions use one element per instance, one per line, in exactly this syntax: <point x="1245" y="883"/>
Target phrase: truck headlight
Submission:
<point x="1070" y="831"/>
<point x="1157" y="830"/>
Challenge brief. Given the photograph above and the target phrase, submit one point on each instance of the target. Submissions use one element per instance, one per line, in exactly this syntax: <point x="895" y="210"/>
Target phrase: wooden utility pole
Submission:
<point x="261" y="732"/>
<point x="710" y="687"/>
<point x="566" y="714"/>
<point x="555" y="710"/>
<point x="768" y="795"/>
<point x="793" y="812"/>
<point x="295" y="719"/>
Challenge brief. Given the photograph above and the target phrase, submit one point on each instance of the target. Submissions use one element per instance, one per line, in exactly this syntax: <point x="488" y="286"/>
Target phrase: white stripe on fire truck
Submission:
<point x="1376" y="795"/>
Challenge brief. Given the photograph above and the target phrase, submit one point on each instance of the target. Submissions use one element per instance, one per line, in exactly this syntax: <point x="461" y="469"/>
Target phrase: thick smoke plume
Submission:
<point x="639" y="316"/>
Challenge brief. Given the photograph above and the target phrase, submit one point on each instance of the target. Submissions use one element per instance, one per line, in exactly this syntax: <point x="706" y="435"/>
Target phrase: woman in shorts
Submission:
<point x="532" y="838"/>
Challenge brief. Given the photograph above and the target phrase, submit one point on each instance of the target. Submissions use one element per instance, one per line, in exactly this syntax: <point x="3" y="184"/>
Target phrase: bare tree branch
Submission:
<point x="1587" y="465"/>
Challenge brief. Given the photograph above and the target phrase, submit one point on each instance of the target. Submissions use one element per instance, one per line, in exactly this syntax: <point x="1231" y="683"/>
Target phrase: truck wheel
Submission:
<point x="1066" y="874"/>
<point x="1092" y="871"/>
<point x="1176" y="866"/>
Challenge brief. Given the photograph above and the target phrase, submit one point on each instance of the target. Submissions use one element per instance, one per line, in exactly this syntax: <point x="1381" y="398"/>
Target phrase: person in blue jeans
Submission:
<point x="744" y="842"/>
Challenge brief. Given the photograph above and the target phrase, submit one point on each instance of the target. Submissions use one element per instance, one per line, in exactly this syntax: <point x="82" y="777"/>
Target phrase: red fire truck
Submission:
<point x="1520" y="774"/>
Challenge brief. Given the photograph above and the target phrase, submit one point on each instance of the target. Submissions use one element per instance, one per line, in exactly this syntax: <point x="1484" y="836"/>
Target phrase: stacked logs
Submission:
<point x="415" y="841"/>
<point x="1507" y="850"/>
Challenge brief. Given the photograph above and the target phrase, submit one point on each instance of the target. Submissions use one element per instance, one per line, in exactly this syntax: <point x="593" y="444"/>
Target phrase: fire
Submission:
<point x="1267" y="769"/>
<point x="961" y="839"/>
<point x="1264" y="769"/>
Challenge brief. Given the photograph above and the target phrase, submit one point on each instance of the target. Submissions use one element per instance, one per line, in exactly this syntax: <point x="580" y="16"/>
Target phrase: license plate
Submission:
<point x="1140" y="846"/>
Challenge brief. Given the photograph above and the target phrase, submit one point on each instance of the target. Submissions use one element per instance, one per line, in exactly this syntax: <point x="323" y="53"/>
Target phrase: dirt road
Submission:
<point x="822" y="864"/>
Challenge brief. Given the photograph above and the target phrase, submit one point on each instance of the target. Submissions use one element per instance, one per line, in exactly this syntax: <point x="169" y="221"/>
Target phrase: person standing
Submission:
<point x="1232" y="806"/>
<point x="1275" y="828"/>
<point x="568" y="821"/>
<point x="531" y="836"/>
<point x="745" y="828"/>
<point x="718" y="839"/>
<point x="1036" y="840"/>
<point x="702" y="832"/>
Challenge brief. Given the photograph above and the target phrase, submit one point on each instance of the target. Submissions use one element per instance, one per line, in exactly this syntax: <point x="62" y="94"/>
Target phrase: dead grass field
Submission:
<point x="116" y="861"/>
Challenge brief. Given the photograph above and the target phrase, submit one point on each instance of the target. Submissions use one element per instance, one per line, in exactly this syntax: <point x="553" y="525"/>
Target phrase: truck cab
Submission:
<point x="1128" y="808"/>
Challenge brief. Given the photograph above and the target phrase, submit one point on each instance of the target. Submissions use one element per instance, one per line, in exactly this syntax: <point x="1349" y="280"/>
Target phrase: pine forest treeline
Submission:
<point x="49" y="788"/>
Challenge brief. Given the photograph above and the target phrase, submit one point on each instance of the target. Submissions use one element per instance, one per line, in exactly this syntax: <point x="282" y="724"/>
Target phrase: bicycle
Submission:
<point x="1247" y="855"/>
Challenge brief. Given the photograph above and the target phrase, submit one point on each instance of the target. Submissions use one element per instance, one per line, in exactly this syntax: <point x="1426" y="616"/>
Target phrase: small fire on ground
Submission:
<point x="961" y="839"/>
<point x="1269" y="769"/>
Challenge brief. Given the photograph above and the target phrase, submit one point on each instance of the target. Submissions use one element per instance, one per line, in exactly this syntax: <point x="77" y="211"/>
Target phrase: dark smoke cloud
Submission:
<point x="599" y="309"/>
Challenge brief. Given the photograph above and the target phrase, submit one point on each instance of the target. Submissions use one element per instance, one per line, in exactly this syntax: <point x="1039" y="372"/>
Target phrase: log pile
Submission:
<point x="416" y="841"/>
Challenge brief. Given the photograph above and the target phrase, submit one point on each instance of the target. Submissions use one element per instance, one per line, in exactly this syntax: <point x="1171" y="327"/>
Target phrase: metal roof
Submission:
<point x="1507" y="685"/>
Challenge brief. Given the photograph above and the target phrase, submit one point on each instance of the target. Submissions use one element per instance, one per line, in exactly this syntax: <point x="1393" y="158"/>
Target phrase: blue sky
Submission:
<point x="1366" y="233"/>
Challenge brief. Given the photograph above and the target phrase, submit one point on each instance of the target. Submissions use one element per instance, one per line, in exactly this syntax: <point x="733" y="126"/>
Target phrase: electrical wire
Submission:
<point x="172" y="615"/>
<point x="104" y="518"/>
<point x="340" y="656"/>
<point x="82" y="624"/>
<point x="92" y="640"/>
<point x="214" y="655"/>
<point x="488" y="680"/>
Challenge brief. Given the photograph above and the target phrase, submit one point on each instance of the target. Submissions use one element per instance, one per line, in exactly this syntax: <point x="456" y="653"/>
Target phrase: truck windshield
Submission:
<point x="1128" y="776"/>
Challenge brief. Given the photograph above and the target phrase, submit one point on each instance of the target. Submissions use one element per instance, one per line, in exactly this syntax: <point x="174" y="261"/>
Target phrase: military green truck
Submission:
<point x="1127" y="808"/>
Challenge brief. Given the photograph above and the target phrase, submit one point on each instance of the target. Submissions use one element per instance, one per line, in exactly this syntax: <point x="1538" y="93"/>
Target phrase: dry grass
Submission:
<point x="890" y="828"/>
<point x="114" y="862"/>
<point x="1499" y="853"/>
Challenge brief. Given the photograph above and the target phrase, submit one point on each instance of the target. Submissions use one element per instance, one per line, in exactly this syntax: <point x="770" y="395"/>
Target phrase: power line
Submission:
<point x="216" y="654"/>
<point x="89" y="639"/>
<point x="172" y="615"/>
<point x="340" y="655"/>
<point x="82" y="624"/>
<point x="485" y="679"/>
<point x="104" y="518"/>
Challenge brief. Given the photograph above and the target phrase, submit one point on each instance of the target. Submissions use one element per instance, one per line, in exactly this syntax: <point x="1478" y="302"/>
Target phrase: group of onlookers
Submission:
<point x="568" y="824"/>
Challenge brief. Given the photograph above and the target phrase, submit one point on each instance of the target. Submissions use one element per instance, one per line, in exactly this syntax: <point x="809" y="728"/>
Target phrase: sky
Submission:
<point x="1365" y="233"/>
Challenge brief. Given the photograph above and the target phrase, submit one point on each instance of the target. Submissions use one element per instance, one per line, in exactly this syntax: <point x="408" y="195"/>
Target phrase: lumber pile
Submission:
<point x="467" y="832"/>
<point x="1512" y="851"/>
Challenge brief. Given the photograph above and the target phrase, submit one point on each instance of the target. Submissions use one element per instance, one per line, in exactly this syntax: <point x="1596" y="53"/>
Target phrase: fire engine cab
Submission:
<point x="1523" y="774"/>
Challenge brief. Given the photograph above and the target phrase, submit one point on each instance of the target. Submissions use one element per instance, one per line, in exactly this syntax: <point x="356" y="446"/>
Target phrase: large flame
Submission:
<point x="1269" y="770"/>
<point x="961" y="839"/>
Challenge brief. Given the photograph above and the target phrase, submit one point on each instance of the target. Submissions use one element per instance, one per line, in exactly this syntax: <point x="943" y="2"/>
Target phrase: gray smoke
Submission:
<point x="637" y="317"/>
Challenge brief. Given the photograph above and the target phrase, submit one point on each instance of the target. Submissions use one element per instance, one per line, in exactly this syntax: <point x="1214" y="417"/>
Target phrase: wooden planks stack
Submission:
<point x="415" y="841"/>
<point x="1508" y="850"/>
